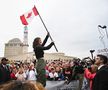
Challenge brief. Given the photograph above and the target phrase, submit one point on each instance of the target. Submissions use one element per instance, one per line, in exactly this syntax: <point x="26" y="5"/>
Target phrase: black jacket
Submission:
<point x="4" y="74"/>
<point x="39" y="49"/>
<point x="100" y="81"/>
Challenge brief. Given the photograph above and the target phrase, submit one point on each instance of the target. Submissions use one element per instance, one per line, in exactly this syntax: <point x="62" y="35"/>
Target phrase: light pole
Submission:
<point x="92" y="51"/>
<point x="104" y="27"/>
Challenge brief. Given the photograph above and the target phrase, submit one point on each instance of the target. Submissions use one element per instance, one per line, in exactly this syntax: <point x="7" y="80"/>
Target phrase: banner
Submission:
<point x="61" y="85"/>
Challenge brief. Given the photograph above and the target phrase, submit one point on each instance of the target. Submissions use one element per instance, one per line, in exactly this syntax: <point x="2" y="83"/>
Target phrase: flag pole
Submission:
<point x="46" y="29"/>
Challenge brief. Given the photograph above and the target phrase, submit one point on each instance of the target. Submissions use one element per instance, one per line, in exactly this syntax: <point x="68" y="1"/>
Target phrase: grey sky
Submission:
<point x="71" y="23"/>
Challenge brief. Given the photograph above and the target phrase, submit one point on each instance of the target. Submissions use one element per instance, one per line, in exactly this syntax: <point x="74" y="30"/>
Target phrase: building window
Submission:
<point x="11" y="44"/>
<point x="15" y="44"/>
<point x="6" y="44"/>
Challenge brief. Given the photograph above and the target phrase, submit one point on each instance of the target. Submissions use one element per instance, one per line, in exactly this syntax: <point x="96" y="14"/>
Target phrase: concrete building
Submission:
<point x="13" y="47"/>
<point x="16" y="47"/>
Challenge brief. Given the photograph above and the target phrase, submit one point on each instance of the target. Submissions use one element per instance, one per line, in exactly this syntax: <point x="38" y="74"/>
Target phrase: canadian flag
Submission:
<point x="27" y="17"/>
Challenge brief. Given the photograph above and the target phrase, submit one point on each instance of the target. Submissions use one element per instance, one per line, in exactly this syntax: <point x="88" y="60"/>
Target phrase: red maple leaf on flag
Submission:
<point x="29" y="15"/>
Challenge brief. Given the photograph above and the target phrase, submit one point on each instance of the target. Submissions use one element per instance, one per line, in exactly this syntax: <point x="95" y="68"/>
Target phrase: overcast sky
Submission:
<point x="71" y="23"/>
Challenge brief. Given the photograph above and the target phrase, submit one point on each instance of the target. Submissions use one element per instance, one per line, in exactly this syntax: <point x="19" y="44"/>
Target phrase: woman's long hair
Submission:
<point x="27" y="85"/>
<point x="36" y="41"/>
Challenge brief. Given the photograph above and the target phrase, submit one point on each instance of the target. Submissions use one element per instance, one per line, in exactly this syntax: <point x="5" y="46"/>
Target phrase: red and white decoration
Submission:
<point x="27" y="17"/>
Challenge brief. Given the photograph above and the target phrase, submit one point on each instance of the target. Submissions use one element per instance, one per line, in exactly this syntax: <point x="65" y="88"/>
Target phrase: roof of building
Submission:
<point x="15" y="40"/>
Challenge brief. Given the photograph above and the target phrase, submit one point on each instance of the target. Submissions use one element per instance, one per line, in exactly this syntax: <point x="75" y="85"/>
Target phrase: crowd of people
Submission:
<point x="92" y="74"/>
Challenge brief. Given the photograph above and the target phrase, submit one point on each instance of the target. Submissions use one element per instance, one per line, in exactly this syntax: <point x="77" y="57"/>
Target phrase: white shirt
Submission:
<point x="52" y="75"/>
<point x="100" y="66"/>
<point x="5" y="66"/>
<point x="31" y="75"/>
<point x="20" y="77"/>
